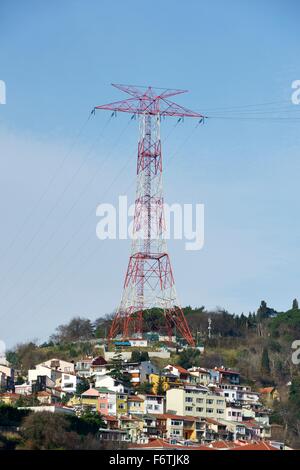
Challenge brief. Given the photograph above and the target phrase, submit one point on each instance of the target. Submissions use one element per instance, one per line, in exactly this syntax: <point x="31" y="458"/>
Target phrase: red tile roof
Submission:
<point x="163" y="444"/>
<point x="222" y="444"/>
<point x="256" y="446"/>
<point x="266" y="390"/>
<point x="99" y="361"/>
<point x="180" y="369"/>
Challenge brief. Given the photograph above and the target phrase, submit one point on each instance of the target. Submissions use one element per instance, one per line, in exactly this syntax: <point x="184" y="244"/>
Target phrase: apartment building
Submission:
<point x="194" y="401"/>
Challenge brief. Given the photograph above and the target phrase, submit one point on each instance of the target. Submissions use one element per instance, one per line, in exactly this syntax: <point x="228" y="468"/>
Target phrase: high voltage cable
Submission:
<point x="58" y="200"/>
<point x="48" y="186"/>
<point x="116" y="142"/>
<point x="76" y="233"/>
<point x="241" y="116"/>
<point x="66" y="244"/>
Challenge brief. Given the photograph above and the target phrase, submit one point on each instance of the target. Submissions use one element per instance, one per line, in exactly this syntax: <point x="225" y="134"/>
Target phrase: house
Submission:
<point x="247" y="397"/>
<point x="111" y="421"/>
<point x="233" y="413"/>
<point x="83" y="367"/>
<point x="214" y="429"/>
<point x="107" y="402"/>
<point x="236" y="429"/>
<point x="135" y="405"/>
<point x="42" y="370"/>
<point x="150" y="425"/>
<point x="68" y="382"/>
<point x="121" y="403"/>
<point x="194" y="401"/>
<point x="60" y="365"/>
<point x="134" y="425"/>
<point x="8" y="398"/>
<point x="109" y="382"/>
<point x="6" y="377"/>
<point x="199" y="375"/>
<point x="180" y="372"/>
<point x="90" y="398"/>
<point x="223" y="375"/>
<point x="154" y="404"/>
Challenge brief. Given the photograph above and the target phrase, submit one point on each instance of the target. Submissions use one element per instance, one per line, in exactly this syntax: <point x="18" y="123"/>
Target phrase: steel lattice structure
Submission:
<point x="149" y="280"/>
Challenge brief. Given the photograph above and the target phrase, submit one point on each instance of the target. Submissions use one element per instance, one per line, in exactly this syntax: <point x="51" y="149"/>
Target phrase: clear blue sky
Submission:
<point x="58" y="59"/>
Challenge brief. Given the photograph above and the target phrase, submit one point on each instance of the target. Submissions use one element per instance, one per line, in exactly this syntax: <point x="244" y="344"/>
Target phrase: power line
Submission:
<point x="48" y="186"/>
<point x="57" y="202"/>
<point x="93" y="176"/>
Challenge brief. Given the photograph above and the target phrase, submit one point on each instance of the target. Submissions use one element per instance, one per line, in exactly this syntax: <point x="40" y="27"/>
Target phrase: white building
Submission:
<point x="154" y="404"/>
<point x="60" y="365"/>
<point x="233" y="413"/>
<point x="110" y="383"/>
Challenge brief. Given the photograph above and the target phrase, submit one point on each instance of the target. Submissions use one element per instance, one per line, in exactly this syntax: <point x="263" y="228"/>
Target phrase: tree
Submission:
<point x="19" y="380"/>
<point x="294" y="394"/>
<point x="160" y="386"/>
<point x="117" y="372"/>
<point x="11" y="416"/>
<point x="27" y="400"/>
<point x="265" y="362"/>
<point x="82" y="386"/>
<point x="295" y="305"/>
<point x="189" y="358"/>
<point x="135" y="356"/>
<point x="50" y="431"/>
<point x="144" y="356"/>
<point x="93" y="419"/>
<point x="78" y="329"/>
<point x="144" y="387"/>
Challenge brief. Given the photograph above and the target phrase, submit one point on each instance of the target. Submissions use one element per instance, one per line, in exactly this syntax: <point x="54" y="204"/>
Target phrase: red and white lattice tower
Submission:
<point x="149" y="280"/>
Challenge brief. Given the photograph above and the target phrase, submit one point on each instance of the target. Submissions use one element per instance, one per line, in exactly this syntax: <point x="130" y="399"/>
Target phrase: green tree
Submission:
<point x="144" y="356"/>
<point x="294" y="394"/>
<point x="117" y="371"/>
<point x="11" y="416"/>
<point x="27" y="400"/>
<point x="135" y="356"/>
<point x="295" y="304"/>
<point x="189" y="358"/>
<point x="82" y="385"/>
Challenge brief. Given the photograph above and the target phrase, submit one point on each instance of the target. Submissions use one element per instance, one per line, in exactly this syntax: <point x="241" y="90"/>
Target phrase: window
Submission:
<point x="209" y="401"/>
<point x="188" y="399"/>
<point x="175" y="432"/>
<point x="199" y="410"/>
<point x="121" y="406"/>
<point x="209" y="410"/>
<point x="220" y="402"/>
<point x="199" y="400"/>
<point x="188" y="408"/>
<point x="102" y="406"/>
<point x="150" y="407"/>
<point x="176" y="423"/>
<point x="220" y="412"/>
<point x="156" y="407"/>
